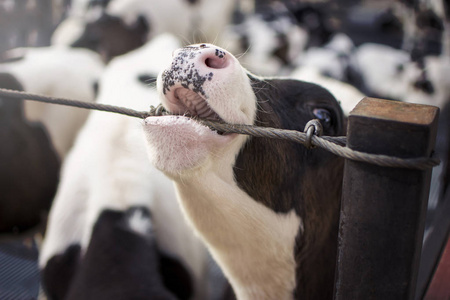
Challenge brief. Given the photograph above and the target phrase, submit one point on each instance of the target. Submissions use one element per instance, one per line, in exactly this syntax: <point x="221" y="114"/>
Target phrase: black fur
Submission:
<point x="284" y="175"/>
<point x="59" y="271"/>
<point x="111" y="37"/>
<point x="119" y="263"/>
<point x="424" y="85"/>
<point x="29" y="165"/>
<point x="315" y="21"/>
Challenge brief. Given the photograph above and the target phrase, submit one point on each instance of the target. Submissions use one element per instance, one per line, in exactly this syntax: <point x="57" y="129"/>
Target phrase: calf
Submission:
<point x="332" y="59"/>
<point x="267" y="210"/>
<point x="423" y="25"/>
<point x="58" y="72"/>
<point x="29" y="166"/>
<point x="273" y="38"/>
<point x="269" y="41"/>
<point x="108" y="169"/>
<point x="399" y="77"/>
<point x="116" y="27"/>
<point x="124" y="255"/>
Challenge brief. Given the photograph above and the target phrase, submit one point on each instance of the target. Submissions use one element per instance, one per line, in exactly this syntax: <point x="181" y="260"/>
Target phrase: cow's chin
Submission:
<point x="178" y="145"/>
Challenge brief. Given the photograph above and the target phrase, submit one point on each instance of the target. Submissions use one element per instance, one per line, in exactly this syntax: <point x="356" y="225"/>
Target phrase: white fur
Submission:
<point x="140" y="223"/>
<point x="326" y="58"/>
<point x="68" y="31"/>
<point x="72" y="27"/>
<point x="78" y="7"/>
<point x="204" y="20"/>
<point x="58" y="72"/>
<point x="262" y="38"/>
<point x="378" y="67"/>
<point x="347" y="95"/>
<point x="108" y="168"/>
<point x="253" y="245"/>
<point x="438" y="72"/>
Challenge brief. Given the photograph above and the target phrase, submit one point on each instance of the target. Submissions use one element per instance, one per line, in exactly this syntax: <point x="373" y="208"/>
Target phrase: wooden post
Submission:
<point x="383" y="209"/>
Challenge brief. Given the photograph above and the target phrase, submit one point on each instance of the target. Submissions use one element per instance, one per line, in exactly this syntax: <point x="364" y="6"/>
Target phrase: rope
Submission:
<point x="332" y="144"/>
<point x="335" y="145"/>
<point x="74" y="103"/>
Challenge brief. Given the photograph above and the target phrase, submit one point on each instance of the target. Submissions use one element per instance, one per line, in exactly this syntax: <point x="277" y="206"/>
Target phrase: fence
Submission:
<point x="383" y="209"/>
<point x="383" y="205"/>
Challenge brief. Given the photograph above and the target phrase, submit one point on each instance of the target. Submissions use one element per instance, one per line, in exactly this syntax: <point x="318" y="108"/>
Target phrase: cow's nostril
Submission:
<point x="215" y="62"/>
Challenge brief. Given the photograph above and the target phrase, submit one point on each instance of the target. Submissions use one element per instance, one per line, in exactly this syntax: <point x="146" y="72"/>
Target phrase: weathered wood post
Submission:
<point x="383" y="209"/>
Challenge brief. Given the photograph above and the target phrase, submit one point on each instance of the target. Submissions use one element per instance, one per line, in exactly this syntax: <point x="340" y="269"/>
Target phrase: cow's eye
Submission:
<point x="323" y="115"/>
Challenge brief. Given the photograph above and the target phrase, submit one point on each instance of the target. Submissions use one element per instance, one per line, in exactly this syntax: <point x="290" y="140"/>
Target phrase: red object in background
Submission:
<point x="439" y="288"/>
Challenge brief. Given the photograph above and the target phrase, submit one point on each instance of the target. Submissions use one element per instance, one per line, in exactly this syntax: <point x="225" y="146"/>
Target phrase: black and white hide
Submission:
<point x="266" y="209"/>
<point x="392" y="74"/>
<point x="117" y="26"/>
<point x="367" y="23"/>
<point x="111" y="37"/>
<point x="123" y="261"/>
<point x="108" y="169"/>
<point x="271" y="40"/>
<point x="329" y="66"/>
<point x="57" y="72"/>
<point x="332" y="59"/>
<point x="29" y="165"/>
<point x="424" y="23"/>
<point x="266" y="42"/>
<point x="346" y="94"/>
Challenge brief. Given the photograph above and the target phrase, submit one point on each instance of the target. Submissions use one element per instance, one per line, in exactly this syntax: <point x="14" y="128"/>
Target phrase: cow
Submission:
<point x="107" y="169"/>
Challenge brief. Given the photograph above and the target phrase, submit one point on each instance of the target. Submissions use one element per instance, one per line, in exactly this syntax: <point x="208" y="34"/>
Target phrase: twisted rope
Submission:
<point x="74" y="103"/>
<point x="335" y="145"/>
<point x="331" y="144"/>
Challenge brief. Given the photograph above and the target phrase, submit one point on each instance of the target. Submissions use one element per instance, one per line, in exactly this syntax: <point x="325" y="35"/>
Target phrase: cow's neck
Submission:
<point x="253" y="245"/>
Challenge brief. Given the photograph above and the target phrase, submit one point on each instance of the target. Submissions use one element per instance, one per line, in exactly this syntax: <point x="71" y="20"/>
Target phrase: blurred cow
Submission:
<point x="58" y="72"/>
<point x="392" y="74"/>
<point x="272" y="40"/>
<point x="115" y="27"/>
<point x="108" y="169"/>
<point x="29" y="165"/>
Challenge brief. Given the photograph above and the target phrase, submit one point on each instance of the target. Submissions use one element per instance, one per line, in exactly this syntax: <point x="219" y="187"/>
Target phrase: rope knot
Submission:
<point x="159" y="110"/>
<point x="313" y="127"/>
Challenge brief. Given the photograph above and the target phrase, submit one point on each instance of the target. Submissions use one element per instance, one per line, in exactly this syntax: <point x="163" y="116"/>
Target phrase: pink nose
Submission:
<point x="213" y="58"/>
<point x="216" y="62"/>
<point x="204" y="58"/>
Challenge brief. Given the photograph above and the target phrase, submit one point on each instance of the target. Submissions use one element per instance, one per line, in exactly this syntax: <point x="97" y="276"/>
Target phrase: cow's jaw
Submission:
<point x="203" y="81"/>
